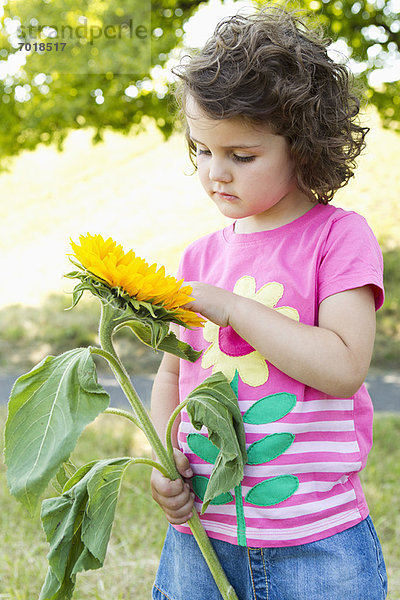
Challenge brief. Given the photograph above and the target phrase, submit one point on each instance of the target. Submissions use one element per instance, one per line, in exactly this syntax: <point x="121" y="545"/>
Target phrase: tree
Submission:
<point x="371" y="30"/>
<point x="88" y="64"/>
<point x="103" y="82"/>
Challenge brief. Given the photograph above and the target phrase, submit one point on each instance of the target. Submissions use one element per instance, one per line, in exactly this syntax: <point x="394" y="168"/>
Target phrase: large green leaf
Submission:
<point x="78" y="525"/>
<point x="156" y="335"/>
<point x="48" y="409"/>
<point x="215" y="405"/>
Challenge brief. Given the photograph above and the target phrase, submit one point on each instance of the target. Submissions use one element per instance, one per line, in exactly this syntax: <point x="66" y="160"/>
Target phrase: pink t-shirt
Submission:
<point x="305" y="448"/>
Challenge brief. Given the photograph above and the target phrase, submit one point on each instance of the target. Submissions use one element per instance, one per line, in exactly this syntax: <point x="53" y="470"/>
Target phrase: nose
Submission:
<point x="219" y="170"/>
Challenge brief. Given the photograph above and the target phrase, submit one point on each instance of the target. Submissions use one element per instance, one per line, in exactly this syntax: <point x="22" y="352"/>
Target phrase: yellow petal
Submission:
<point x="107" y="260"/>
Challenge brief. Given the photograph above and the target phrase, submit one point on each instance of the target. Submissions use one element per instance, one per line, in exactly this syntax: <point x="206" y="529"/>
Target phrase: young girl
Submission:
<point x="289" y="291"/>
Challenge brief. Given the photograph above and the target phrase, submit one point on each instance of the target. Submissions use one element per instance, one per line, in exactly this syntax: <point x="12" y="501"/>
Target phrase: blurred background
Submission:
<point x="90" y="141"/>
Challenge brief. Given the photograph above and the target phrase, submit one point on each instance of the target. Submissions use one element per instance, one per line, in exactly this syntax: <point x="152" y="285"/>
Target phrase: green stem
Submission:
<point x="167" y="463"/>
<point x="203" y="541"/>
<point x="168" y="431"/>
<point x="151" y="463"/>
<point x="121" y="413"/>
<point x="241" y="523"/>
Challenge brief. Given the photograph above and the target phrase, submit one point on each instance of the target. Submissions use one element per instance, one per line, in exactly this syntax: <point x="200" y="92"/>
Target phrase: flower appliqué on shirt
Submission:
<point x="229" y="352"/>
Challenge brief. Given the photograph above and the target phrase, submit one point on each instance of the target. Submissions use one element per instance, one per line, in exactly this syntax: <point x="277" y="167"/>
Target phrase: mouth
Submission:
<point x="224" y="196"/>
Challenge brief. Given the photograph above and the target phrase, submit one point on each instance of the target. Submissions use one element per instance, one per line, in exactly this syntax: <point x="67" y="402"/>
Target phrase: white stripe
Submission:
<point x="300" y="510"/>
<point x="328" y="426"/>
<point x="309" y="406"/>
<point x="309" y="487"/>
<point x="293" y="533"/>
<point x="283" y="535"/>
<point x="270" y="470"/>
<point x="287" y="534"/>
<point x="317" y="447"/>
<point x="321" y="426"/>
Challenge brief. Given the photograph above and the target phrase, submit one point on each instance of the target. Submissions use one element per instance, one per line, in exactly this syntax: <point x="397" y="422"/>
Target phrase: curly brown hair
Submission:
<point x="271" y="68"/>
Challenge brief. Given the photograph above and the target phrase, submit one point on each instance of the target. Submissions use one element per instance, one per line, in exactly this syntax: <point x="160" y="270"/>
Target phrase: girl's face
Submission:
<point x="246" y="170"/>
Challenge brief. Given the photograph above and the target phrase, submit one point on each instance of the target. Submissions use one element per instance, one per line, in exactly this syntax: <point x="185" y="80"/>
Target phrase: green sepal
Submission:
<point x="78" y="525"/>
<point x="199" y="485"/>
<point x="214" y="404"/>
<point x="119" y="299"/>
<point x="163" y="340"/>
<point x="48" y="409"/>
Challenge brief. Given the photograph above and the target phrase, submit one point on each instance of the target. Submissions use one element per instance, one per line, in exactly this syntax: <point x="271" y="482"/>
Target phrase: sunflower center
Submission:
<point x="231" y="343"/>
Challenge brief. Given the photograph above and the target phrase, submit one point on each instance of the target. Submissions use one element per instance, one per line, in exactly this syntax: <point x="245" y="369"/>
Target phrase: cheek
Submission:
<point x="202" y="172"/>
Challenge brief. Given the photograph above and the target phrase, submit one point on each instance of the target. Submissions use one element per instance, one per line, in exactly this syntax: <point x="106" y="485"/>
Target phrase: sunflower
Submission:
<point x="132" y="279"/>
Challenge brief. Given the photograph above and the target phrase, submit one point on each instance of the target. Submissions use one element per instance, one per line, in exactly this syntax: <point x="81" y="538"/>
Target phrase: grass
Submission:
<point x="140" y="526"/>
<point x="33" y="332"/>
<point x="387" y="341"/>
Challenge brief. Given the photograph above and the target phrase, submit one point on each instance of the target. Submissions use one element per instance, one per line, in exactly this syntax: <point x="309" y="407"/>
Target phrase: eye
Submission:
<point x="243" y="159"/>
<point x="200" y="151"/>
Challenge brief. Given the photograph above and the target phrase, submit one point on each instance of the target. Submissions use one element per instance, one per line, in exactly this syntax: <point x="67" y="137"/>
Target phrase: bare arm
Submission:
<point x="174" y="497"/>
<point x="333" y="357"/>
<point x="165" y="395"/>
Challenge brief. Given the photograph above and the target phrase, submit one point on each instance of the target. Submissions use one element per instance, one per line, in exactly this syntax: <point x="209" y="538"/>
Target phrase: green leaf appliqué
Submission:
<point x="269" y="447"/>
<point x="273" y="491"/>
<point x="48" y="409"/>
<point x="199" y="485"/>
<point x="270" y="409"/>
<point x="202" y="447"/>
<point x="214" y="404"/>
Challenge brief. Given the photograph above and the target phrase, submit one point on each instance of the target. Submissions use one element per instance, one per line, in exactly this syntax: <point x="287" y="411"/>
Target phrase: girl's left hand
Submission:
<point x="212" y="302"/>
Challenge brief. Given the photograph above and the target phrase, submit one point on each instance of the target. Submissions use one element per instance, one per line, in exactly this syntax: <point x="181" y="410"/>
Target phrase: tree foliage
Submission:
<point x="371" y="30"/>
<point x="55" y="92"/>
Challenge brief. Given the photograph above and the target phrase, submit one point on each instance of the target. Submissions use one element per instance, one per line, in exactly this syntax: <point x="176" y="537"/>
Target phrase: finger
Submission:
<point x="182" y="464"/>
<point x="178" y="509"/>
<point x="164" y="487"/>
<point x="180" y="514"/>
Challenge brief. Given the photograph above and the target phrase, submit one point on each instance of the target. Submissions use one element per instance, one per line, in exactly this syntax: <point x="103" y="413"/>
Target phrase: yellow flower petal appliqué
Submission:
<point x="252" y="367"/>
<point x="270" y="294"/>
<point x="245" y="286"/>
<point x="288" y="311"/>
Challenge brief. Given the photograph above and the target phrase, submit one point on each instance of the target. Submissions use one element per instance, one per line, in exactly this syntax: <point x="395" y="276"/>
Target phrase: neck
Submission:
<point x="293" y="206"/>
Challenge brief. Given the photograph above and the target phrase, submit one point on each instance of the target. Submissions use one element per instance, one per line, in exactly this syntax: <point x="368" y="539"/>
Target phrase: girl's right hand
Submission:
<point x="175" y="497"/>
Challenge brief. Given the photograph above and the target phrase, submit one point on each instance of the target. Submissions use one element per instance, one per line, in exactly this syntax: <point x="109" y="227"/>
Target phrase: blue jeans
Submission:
<point x="346" y="566"/>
